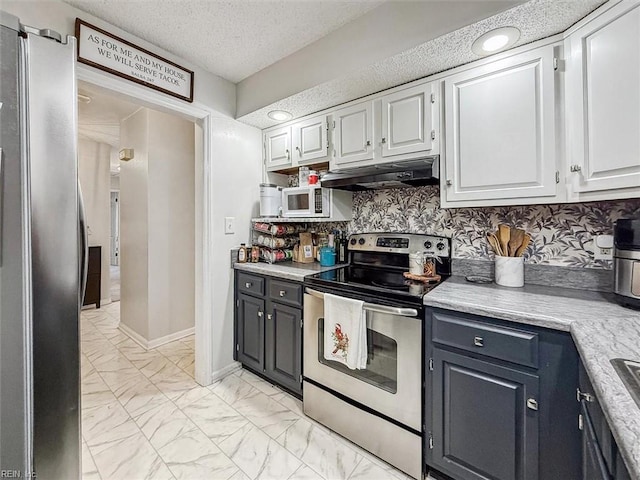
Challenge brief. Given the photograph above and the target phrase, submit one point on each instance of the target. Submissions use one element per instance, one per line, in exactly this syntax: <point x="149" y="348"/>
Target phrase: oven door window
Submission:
<point x="298" y="201"/>
<point x="382" y="360"/>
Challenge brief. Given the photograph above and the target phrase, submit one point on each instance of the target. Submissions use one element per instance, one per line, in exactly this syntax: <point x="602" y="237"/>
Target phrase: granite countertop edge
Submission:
<point x="285" y="270"/>
<point x="601" y="330"/>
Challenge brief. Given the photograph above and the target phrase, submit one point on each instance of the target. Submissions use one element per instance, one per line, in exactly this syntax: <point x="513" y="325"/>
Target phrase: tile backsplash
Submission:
<point x="561" y="234"/>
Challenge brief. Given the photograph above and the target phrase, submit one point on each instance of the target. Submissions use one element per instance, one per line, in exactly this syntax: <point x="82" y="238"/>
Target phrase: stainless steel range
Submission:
<point x="379" y="407"/>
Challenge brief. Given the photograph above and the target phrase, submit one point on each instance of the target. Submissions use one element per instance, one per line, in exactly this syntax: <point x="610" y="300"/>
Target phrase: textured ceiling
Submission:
<point x="232" y="39"/>
<point x="99" y="120"/>
<point x="536" y="19"/>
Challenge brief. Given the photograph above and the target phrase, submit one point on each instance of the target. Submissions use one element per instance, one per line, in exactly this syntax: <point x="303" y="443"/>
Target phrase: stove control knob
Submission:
<point x="353" y="241"/>
<point x="440" y="246"/>
<point x="427" y="244"/>
<point x="361" y="241"/>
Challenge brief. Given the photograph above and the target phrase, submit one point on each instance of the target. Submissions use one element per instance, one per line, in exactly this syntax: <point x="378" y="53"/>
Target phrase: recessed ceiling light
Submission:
<point x="495" y="40"/>
<point x="279" y="115"/>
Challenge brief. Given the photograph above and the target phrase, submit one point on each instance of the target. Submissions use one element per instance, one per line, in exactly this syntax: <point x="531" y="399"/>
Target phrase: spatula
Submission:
<point x="495" y="243"/>
<point x="504" y="234"/>
<point x="517" y="237"/>
<point x="525" y="244"/>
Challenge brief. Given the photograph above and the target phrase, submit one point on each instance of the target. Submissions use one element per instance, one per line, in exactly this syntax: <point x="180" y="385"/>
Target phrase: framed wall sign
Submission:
<point x="110" y="53"/>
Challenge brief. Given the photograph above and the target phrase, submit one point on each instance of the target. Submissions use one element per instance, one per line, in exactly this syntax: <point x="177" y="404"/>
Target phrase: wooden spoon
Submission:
<point x="525" y="244"/>
<point x="493" y="241"/>
<point x="504" y="234"/>
<point x="517" y="236"/>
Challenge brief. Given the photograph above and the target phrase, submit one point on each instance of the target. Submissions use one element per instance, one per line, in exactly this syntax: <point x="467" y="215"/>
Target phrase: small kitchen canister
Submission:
<point x="416" y="263"/>
<point x="509" y="271"/>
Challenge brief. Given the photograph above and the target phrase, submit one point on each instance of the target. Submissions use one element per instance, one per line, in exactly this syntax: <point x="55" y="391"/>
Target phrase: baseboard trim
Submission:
<point x="171" y="337"/>
<point x="135" y="336"/>
<point x="226" y="371"/>
<point x="151" y="344"/>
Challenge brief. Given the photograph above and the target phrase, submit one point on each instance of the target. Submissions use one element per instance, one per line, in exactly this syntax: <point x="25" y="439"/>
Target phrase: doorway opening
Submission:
<point x="114" y="250"/>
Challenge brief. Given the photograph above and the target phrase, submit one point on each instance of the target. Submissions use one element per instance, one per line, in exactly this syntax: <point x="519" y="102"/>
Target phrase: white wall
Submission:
<point x="134" y="229"/>
<point x="237" y="160"/>
<point x="171" y="224"/>
<point x="93" y="172"/>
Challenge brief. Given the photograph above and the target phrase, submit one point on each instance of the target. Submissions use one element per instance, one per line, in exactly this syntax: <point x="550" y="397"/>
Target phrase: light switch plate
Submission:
<point x="229" y="225"/>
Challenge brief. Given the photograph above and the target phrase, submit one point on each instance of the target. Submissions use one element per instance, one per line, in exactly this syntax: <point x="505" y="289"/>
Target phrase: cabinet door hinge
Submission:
<point x="300" y="378"/>
<point x="580" y="422"/>
<point x="431" y="364"/>
<point x="433" y="134"/>
<point x="431" y="441"/>
<point x="557" y="176"/>
<point x="433" y="98"/>
<point x="301" y="323"/>
<point x="556" y="63"/>
<point x="334" y="125"/>
<point x="327" y="135"/>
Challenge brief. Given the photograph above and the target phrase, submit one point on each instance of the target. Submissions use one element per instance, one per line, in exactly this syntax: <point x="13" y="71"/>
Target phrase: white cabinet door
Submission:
<point x="603" y="101"/>
<point x="501" y="132"/>
<point x="353" y="134"/>
<point x="407" y="121"/>
<point x="277" y="144"/>
<point x="310" y="142"/>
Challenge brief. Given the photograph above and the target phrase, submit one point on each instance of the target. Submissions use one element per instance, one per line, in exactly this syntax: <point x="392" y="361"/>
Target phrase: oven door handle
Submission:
<point x="372" y="307"/>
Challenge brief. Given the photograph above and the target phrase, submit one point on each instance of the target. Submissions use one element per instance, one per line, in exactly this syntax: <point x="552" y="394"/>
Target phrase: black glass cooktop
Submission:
<point x="376" y="284"/>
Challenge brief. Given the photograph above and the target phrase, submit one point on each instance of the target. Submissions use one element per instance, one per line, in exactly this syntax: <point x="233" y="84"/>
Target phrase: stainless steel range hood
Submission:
<point x="412" y="173"/>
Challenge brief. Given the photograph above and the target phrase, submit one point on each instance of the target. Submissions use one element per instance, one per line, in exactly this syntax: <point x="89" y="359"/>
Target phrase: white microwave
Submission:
<point x="311" y="201"/>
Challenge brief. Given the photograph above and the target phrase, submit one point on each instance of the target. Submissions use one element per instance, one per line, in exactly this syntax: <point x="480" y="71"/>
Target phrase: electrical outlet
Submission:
<point x="603" y="247"/>
<point x="229" y="225"/>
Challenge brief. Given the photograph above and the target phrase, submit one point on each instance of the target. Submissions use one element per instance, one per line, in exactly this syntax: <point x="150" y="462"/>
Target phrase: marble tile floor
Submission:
<point x="144" y="417"/>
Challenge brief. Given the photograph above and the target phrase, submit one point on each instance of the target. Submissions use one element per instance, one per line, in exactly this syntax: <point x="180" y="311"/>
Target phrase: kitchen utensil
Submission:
<point x="422" y="278"/>
<point x="504" y="235"/>
<point x="495" y="243"/>
<point x="517" y="236"/>
<point x="524" y="245"/>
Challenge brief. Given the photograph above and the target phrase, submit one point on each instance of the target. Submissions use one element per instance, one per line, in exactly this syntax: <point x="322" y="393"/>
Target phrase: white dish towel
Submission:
<point x="345" y="331"/>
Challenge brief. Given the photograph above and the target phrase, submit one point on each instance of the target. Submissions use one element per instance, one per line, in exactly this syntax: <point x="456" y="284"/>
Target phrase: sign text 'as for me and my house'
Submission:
<point x="108" y="52"/>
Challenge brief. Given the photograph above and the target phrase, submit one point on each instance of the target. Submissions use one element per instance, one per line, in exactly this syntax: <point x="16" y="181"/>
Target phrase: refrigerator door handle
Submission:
<point x="84" y="247"/>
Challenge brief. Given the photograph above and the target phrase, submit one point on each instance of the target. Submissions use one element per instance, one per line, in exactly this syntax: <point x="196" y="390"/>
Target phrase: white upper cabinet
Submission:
<point x="310" y="140"/>
<point x="353" y="135"/>
<point x="407" y="121"/>
<point x="500" y="146"/>
<point x="603" y="104"/>
<point x="277" y="146"/>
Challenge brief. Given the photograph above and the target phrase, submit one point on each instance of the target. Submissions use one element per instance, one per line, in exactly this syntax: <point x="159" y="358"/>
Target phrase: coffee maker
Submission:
<point x="626" y="261"/>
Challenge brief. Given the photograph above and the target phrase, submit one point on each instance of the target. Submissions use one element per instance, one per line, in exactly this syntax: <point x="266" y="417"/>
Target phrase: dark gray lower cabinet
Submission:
<point x="250" y="331"/>
<point x="601" y="458"/>
<point x="500" y="399"/>
<point x="487" y="421"/>
<point x="268" y="328"/>
<point x="284" y="345"/>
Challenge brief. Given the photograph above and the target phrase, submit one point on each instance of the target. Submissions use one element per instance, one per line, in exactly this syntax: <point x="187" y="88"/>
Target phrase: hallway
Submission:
<point x="144" y="417"/>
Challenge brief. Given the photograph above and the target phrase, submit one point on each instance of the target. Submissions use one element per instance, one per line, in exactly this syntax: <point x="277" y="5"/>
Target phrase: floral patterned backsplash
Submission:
<point x="560" y="234"/>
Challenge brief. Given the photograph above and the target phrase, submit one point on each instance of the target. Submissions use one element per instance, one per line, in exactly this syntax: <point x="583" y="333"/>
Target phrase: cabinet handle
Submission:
<point x="532" y="404"/>
<point x="384" y="140"/>
<point x="575" y="168"/>
<point x="288" y="154"/>
<point x="260" y="314"/>
<point x="478" y="341"/>
<point x="299" y="151"/>
<point x="449" y="183"/>
<point x="269" y="316"/>
<point x="283" y="293"/>
<point x="368" y="144"/>
<point x="587" y="397"/>
<point x="248" y="285"/>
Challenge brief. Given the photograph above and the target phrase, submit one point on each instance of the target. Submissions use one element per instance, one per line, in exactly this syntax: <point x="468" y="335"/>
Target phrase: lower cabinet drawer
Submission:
<point x="512" y="345"/>
<point x="250" y="283"/>
<point x="285" y="292"/>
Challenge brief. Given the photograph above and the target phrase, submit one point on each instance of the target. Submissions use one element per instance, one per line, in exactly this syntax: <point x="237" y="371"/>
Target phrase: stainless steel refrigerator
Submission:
<point x="41" y="256"/>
